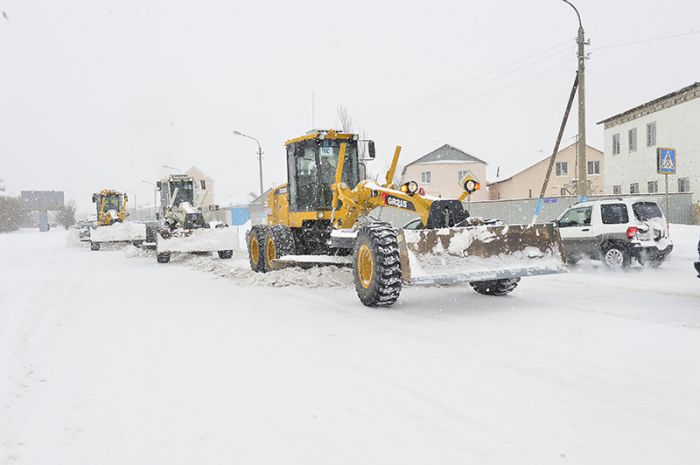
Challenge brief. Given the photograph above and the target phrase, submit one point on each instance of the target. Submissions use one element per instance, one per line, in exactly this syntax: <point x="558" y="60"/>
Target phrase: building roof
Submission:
<point x="446" y="153"/>
<point x="671" y="98"/>
<point x="540" y="161"/>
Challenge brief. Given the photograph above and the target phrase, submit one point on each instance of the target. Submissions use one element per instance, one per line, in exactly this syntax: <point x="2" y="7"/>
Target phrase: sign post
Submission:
<point x="666" y="164"/>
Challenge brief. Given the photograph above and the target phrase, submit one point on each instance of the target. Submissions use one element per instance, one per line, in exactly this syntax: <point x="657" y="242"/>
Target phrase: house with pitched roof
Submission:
<point x="440" y="172"/>
<point x="527" y="184"/>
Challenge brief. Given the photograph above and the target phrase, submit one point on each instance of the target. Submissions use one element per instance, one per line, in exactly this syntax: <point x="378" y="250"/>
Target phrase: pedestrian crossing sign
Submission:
<point x="665" y="160"/>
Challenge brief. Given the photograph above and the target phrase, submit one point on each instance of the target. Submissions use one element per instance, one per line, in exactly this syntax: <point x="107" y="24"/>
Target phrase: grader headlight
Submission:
<point x="471" y="186"/>
<point x="410" y="187"/>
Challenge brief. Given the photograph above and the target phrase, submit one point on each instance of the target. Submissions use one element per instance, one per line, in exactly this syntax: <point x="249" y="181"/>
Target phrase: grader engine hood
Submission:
<point x="479" y="253"/>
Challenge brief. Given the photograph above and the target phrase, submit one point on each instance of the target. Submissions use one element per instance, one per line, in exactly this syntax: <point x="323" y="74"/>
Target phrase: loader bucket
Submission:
<point x="199" y="240"/>
<point x="479" y="253"/>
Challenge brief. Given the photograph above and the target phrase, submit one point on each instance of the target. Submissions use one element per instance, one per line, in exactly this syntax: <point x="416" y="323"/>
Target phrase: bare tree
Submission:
<point x="344" y="118"/>
<point x="12" y="216"/>
<point x="66" y="216"/>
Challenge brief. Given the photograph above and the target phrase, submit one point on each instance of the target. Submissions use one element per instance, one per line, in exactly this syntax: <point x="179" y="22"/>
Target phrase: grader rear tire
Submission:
<point x="256" y="255"/>
<point x="376" y="265"/>
<point x="497" y="287"/>
<point x="279" y="242"/>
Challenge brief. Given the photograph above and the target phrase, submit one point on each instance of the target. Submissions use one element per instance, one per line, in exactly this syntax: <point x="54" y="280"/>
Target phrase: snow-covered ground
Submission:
<point x="108" y="357"/>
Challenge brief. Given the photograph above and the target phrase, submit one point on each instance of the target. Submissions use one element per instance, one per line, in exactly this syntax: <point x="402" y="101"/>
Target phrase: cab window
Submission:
<point x="303" y="178"/>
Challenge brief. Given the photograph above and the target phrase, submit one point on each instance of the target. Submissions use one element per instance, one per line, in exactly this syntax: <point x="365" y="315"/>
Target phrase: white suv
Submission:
<point x="615" y="231"/>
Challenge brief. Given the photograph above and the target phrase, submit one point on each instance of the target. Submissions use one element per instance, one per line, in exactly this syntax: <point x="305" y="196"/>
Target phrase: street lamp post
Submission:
<point x="582" y="184"/>
<point x="238" y="133"/>
<point x="155" y="197"/>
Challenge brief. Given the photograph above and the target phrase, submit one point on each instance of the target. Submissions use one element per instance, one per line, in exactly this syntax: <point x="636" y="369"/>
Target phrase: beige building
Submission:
<point x="528" y="183"/>
<point x="204" y="187"/>
<point x="441" y="171"/>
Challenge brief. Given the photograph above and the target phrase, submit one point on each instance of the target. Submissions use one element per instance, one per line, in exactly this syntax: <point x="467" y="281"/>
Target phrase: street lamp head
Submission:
<point x="237" y="133"/>
<point x="580" y="25"/>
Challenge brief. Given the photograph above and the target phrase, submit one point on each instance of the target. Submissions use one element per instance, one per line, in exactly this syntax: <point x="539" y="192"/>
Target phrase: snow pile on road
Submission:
<point x="73" y="238"/>
<point x="238" y="270"/>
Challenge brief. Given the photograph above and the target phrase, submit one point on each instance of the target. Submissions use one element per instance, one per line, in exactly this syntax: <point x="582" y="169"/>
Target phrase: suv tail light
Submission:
<point x="632" y="232"/>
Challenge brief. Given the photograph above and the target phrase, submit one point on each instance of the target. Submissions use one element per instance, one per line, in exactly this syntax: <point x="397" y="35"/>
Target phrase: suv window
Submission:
<point x="646" y="210"/>
<point x="576" y="217"/>
<point x="615" y="213"/>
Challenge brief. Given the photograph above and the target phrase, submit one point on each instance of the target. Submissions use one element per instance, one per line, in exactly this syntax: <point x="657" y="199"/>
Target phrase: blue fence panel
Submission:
<point x="239" y="216"/>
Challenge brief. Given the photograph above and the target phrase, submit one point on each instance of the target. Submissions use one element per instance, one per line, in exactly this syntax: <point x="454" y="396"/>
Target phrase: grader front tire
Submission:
<point x="377" y="266"/>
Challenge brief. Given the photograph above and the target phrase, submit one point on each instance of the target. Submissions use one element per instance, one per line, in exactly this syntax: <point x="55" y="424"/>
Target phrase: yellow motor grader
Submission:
<point x="325" y="214"/>
<point x="111" y="216"/>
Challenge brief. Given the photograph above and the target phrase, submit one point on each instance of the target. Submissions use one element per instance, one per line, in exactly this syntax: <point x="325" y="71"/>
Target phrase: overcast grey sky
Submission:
<point x="100" y="94"/>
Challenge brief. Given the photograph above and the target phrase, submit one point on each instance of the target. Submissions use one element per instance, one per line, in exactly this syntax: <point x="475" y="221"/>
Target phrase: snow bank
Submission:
<point x="238" y="271"/>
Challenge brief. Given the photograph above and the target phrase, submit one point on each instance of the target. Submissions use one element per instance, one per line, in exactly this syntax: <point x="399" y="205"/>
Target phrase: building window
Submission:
<point x="461" y="174"/>
<point x="652" y="187"/>
<point x="425" y="177"/>
<point x="616" y="144"/>
<point x="634" y="188"/>
<point x="632" y="136"/>
<point x="684" y="185"/>
<point x="594" y="167"/>
<point x="562" y="168"/>
<point x="617" y="189"/>
<point x="651" y="134"/>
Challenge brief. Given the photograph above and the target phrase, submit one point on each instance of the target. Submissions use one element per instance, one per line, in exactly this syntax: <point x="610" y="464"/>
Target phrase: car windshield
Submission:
<point x="646" y="211"/>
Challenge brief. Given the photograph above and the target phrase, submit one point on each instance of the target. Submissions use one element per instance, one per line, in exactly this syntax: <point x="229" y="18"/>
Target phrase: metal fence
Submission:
<point x="521" y="210"/>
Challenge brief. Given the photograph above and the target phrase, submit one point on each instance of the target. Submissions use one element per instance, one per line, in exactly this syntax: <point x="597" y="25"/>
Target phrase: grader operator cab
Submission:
<point x="183" y="227"/>
<point x="323" y="215"/>
<point x="111" y="217"/>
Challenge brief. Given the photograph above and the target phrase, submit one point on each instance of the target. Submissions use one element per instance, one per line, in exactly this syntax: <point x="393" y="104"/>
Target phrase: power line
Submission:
<point x="472" y="79"/>
<point x="412" y="108"/>
<point x="499" y="89"/>
<point x="643" y="41"/>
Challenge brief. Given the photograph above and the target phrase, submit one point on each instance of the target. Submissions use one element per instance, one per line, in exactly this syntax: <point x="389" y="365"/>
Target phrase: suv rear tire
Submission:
<point x="616" y="257"/>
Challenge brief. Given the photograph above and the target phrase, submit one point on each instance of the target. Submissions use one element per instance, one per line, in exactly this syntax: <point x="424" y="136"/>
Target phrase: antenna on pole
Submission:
<point x="313" y="101"/>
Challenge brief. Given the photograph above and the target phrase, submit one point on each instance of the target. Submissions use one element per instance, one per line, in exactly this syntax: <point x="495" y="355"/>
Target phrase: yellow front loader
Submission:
<point x="325" y="215"/>
<point x="111" y="225"/>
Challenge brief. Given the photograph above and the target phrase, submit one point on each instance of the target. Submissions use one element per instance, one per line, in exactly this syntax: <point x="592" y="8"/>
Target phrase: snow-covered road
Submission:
<point x="108" y="357"/>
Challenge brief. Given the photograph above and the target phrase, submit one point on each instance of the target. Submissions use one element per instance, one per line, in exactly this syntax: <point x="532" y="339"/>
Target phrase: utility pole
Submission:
<point x="260" y="170"/>
<point x="582" y="182"/>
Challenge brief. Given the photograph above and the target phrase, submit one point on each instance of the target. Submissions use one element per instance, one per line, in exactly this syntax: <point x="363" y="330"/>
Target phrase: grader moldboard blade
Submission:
<point x="479" y="253"/>
<point x="199" y="240"/>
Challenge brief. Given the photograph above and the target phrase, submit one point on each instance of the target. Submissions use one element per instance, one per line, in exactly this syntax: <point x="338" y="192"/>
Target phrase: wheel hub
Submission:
<point x="365" y="267"/>
<point x="271" y="252"/>
<point x="254" y="250"/>
<point x="614" y="258"/>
